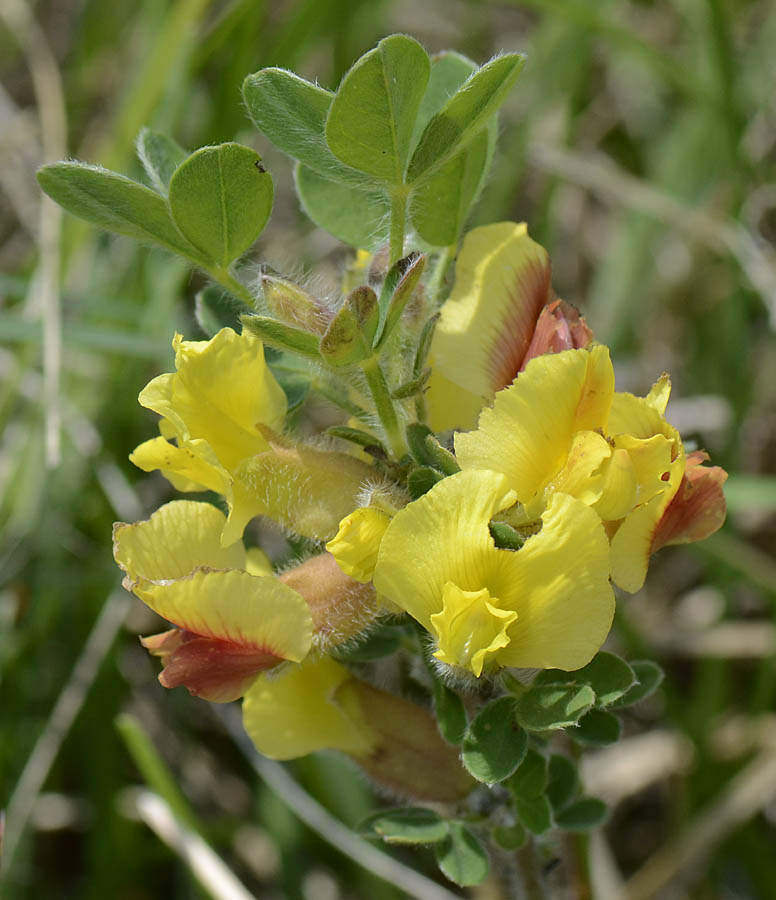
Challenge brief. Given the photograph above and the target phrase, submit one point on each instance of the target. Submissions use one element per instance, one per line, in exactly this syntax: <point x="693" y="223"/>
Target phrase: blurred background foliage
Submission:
<point x="639" y="145"/>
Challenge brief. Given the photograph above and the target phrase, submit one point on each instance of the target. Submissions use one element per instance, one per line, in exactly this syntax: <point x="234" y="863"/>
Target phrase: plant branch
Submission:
<point x="384" y="405"/>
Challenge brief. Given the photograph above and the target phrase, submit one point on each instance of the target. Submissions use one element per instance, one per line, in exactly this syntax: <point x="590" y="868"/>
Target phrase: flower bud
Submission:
<point x="293" y="305"/>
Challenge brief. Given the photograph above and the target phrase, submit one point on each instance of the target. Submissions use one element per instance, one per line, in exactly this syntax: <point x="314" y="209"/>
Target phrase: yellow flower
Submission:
<point x="232" y="624"/>
<point x="546" y="605"/>
<point x="502" y="312"/>
<point x="221" y="409"/>
<point x="357" y="542"/>
<point x="561" y="428"/>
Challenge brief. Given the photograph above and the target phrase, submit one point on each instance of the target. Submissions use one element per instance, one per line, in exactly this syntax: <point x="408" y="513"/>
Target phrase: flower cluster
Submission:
<point x="519" y="487"/>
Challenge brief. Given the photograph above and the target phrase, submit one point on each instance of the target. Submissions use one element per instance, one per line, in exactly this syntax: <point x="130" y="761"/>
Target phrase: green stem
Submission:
<point x="384" y="405"/>
<point x="437" y="276"/>
<point x="227" y="280"/>
<point x="398" y="224"/>
<point x="529" y="872"/>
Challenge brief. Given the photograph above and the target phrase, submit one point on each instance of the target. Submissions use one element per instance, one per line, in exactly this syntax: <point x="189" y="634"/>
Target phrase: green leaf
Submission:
<point x="116" y="203"/>
<point x="411" y="825"/>
<point x="461" y="857"/>
<point x="424" y="344"/>
<point x="465" y="114"/>
<point x="441" y="205"/>
<point x="563" y="781"/>
<point x="494" y="744"/>
<point x="449" y="70"/>
<point x="649" y="676"/>
<point x="160" y="156"/>
<point x="284" y="337"/>
<point x="292" y="112"/>
<point x="530" y="778"/>
<point x="509" y="837"/>
<point x="220" y="199"/>
<point x="372" y="116"/>
<point x="450" y="712"/>
<point x="535" y="813"/>
<point x="412" y="387"/>
<point x="398" y="287"/>
<point x="421" y="480"/>
<point x="549" y="707"/>
<point x="416" y="434"/>
<point x="608" y="675"/>
<point x="215" y="308"/>
<point x="294" y="380"/>
<point x="356" y="436"/>
<point x="598" y="728"/>
<point x="355" y="216"/>
<point x="586" y="813"/>
<point x="348" y="339"/>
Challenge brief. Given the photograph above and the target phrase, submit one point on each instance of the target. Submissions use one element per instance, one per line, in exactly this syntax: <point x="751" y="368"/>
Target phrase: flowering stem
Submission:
<point x="529" y="872"/>
<point x="384" y="405"/>
<point x="398" y="224"/>
<point x="437" y="276"/>
<point x="233" y="285"/>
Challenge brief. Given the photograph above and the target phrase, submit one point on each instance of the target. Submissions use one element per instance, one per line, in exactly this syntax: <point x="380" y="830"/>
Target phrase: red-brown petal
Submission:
<point x="559" y="327"/>
<point x="698" y="508"/>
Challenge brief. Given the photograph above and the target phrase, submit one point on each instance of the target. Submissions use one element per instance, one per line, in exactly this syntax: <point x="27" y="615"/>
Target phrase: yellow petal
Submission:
<point x="559" y="586"/>
<point x="192" y="467"/>
<point x="638" y="417"/>
<point x="469" y="628"/>
<point x="178" y="538"/>
<point x="441" y="537"/>
<point x="580" y="476"/>
<point x="221" y="390"/>
<point x="619" y="487"/>
<point x="450" y="405"/>
<point x="357" y="542"/>
<point x="529" y="431"/>
<point x="292" y="713"/>
<point x="302" y="488"/>
<point x="502" y="281"/>
<point x="257" y="562"/>
<point x="250" y="611"/>
<point x="660" y="393"/>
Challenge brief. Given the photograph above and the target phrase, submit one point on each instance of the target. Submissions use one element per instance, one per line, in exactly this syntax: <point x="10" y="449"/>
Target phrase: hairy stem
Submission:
<point x="398" y="224"/>
<point x="384" y="405"/>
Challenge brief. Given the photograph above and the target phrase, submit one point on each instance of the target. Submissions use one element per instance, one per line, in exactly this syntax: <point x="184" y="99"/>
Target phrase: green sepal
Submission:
<point x="399" y="285"/>
<point x="461" y="857"/>
<point x="582" y="815"/>
<point x="215" y="308"/>
<point x="547" y="707"/>
<point x="372" y="116"/>
<point x="494" y="745"/>
<point x="649" y="676"/>
<point x="505" y="536"/>
<point x="348" y="339"/>
<point x="465" y="114"/>
<point x="608" y="675"/>
<point x="115" y="203"/>
<point x="412" y="387"/>
<point x="441" y="458"/>
<point x="292" y="304"/>
<point x="374" y="644"/>
<point x="354" y="215"/>
<point x="220" y="199"/>
<point x="424" y="344"/>
<point x="421" y="480"/>
<point x="416" y="434"/>
<point x="563" y="781"/>
<point x="509" y="837"/>
<point x="409" y="825"/>
<point x="160" y="156"/>
<point x="284" y="337"/>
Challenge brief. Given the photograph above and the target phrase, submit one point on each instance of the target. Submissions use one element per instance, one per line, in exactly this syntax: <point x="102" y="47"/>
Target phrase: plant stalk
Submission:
<point x="398" y="224"/>
<point x="529" y="872"/>
<point x="384" y="405"/>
